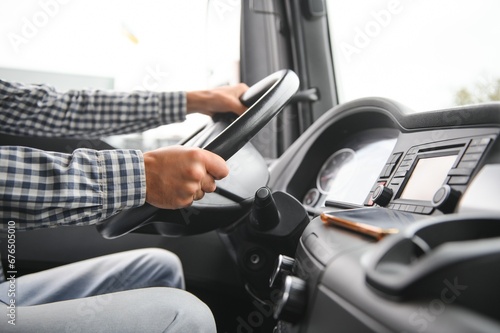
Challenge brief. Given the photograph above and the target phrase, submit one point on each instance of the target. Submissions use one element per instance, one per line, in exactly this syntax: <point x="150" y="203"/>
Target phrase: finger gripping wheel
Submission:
<point x="274" y="91"/>
<point x="268" y="97"/>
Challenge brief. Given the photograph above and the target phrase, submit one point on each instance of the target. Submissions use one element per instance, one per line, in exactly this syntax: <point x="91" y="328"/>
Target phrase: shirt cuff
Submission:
<point x="123" y="180"/>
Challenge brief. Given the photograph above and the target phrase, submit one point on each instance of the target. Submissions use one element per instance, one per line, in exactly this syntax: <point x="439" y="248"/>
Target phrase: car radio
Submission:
<point x="428" y="176"/>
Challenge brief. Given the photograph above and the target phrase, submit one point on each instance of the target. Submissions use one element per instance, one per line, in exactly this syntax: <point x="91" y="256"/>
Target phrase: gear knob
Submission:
<point x="264" y="214"/>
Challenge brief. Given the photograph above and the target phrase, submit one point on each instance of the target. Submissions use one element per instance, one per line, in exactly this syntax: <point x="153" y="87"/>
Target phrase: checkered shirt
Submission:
<point x="46" y="189"/>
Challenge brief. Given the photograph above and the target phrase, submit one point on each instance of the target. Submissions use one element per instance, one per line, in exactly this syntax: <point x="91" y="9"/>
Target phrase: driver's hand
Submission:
<point x="177" y="175"/>
<point x="221" y="99"/>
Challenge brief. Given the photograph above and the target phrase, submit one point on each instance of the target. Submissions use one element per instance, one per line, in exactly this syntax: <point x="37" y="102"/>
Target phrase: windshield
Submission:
<point x="424" y="54"/>
<point x="123" y="45"/>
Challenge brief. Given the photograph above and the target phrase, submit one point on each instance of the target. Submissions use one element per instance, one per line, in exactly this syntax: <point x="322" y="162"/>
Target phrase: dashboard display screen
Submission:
<point x="348" y="175"/>
<point x="427" y="177"/>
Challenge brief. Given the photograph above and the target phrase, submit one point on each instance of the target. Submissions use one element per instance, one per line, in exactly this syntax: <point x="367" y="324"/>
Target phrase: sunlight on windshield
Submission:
<point x="424" y="54"/>
<point x="123" y="45"/>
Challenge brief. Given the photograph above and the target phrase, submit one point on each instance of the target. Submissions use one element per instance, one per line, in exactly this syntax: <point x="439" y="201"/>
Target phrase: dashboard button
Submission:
<point x="382" y="195"/>
<point x="419" y="209"/>
<point x="386" y="171"/>
<point x="445" y="199"/>
<point x="400" y="174"/>
<point x="427" y="210"/>
<point x="480" y="142"/>
<point x="460" y="172"/>
<point x="311" y="197"/>
<point x="458" y="180"/>
<point x="406" y="164"/>
<point x="475" y="149"/>
<point x="395" y="158"/>
<point x="471" y="157"/>
<point x="467" y="164"/>
<point x="410" y="208"/>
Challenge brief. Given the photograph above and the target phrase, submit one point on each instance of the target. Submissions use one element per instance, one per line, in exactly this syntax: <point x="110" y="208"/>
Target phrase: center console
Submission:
<point x="439" y="276"/>
<point x="437" y="272"/>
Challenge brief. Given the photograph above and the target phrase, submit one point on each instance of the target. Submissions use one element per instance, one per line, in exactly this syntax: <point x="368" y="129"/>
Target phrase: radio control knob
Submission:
<point x="382" y="195"/>
<point x="446" y="198"/>
<point x="292" y="304"/>
<point x="284" y="266"/>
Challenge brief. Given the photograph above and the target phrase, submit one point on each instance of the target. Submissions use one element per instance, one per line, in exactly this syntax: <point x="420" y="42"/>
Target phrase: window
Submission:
<point x="424" y="54"/>
<point x="123" y="45"/>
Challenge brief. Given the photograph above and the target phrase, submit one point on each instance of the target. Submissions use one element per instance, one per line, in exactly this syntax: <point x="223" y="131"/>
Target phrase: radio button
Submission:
<point x="480" y="142"/>
<point x="467" y="164"/>
<point x="445" y="199"/>
<point x="427" y="210"/>
<point x="386" y="172"/>
<point x="460" y="172"/>
<point x="419" y="209"/>
<point x="405" y="164"/>
<point x="400" y="174"/>
<point x="471" y="157"/>
<point x="475" y="149"/>
<point x="382" y="195"/>
<point x="411" y="208"/>
<point x="395" y="158"/>
<point x="458" y="180"/>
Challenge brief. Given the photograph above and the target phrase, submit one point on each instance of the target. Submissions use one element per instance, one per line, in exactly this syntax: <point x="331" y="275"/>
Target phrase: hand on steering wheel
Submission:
<point x="267" y="98"/>
<point x="191" y="175"/>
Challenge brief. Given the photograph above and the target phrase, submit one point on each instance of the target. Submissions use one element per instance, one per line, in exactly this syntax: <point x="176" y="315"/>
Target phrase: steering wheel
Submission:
<point x="266" y="99"/>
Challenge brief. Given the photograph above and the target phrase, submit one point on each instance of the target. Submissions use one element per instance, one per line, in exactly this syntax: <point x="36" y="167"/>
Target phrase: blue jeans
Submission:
<point x="133" y="291"/>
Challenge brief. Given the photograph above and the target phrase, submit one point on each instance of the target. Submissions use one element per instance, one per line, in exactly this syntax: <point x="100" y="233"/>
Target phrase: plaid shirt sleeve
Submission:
<point x="40" y="110"/>
<point x="47" y="189"/>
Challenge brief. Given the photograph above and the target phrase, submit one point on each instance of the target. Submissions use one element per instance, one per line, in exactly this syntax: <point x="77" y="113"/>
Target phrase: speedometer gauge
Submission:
<point x="333" y="167"/>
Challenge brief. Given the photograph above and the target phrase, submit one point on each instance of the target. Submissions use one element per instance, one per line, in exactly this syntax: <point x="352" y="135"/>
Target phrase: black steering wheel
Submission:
<point x="266" y="99"/>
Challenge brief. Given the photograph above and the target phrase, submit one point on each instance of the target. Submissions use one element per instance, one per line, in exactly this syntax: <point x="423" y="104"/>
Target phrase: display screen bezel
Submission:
<point x="409" y="174"/>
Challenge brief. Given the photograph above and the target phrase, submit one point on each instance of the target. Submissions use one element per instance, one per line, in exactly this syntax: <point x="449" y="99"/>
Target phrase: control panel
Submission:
<point x="428" y="176"/>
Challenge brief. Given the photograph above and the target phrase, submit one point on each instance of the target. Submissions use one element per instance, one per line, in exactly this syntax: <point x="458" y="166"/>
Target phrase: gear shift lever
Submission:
<point x="264" y="214"/>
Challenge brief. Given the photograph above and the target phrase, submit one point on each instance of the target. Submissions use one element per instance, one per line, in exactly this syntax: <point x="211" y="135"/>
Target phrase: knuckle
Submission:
<point x="195" y="154"/>
<point x="195" y="173"/>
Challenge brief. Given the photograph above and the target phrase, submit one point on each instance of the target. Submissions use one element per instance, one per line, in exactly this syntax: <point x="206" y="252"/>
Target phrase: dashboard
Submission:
<point x="347" y="174"/>
<point x="405" y="223"/>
